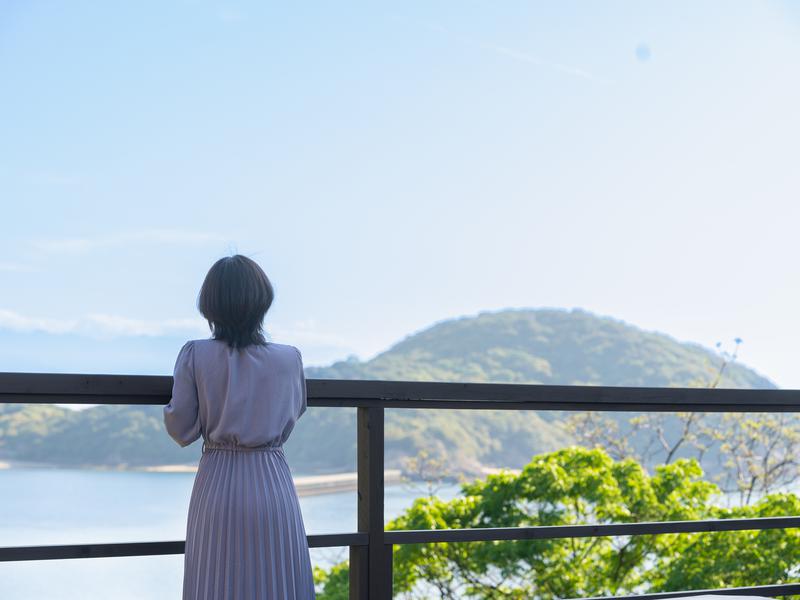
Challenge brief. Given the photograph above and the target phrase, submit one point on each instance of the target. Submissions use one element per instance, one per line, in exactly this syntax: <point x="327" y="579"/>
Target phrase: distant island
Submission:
<point x="548" y="346"/>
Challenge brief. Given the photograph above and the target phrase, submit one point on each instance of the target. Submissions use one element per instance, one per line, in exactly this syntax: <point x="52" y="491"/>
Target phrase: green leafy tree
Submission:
<point x="735" y="558"/>
<point x="567" y="487"/>
<point x="334" y="582"/>
<point x="574" y="486"/>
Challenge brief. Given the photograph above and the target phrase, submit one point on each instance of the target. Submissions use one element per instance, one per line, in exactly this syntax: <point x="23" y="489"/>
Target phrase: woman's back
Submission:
<point x="246" y="397"/>
<point x="245" y="537"/>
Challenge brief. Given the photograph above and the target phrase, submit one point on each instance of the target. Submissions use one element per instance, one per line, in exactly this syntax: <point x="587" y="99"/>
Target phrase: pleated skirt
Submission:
<point x="245" y="537"/>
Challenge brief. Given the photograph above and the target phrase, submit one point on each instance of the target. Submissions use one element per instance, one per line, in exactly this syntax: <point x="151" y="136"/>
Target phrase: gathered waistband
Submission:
<point x="238" y="448"/>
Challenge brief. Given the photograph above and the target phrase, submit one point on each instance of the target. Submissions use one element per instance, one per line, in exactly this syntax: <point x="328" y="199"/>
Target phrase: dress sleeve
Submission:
<point x="182" y="414"/>
<point x="303" y="389"/>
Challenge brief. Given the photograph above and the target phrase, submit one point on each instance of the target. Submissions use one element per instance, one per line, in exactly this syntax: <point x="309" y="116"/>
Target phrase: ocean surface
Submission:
<point x="69" y="506"/>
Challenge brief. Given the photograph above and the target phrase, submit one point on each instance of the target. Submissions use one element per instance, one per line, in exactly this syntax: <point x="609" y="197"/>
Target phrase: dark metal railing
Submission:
<point x="371" y="546"/>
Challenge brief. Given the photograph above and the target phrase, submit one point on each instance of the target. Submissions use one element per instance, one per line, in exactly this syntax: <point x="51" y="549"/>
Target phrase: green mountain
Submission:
<point x="560" y="347"/>
<point x="509" y="346"/>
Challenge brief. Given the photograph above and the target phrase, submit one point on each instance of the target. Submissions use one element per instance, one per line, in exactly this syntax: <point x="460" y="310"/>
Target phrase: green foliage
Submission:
<point x="578" y="486"/>
<point x="334" y="583"/>
<point x="732" y="559"/>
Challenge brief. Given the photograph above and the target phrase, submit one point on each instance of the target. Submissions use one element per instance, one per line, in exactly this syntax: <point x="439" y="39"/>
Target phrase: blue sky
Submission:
<point x="391" y="165"/>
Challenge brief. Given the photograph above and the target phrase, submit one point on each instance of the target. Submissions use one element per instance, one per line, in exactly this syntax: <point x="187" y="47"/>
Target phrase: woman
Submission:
<point x="245" y="536"/>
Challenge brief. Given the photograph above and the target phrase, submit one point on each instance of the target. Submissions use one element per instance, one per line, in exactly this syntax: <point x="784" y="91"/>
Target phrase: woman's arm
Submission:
<point x="303" y="390"/>
<point x="182" y="414"/>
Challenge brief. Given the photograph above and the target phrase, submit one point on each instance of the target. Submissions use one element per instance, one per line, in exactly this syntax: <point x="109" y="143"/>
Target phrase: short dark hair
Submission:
<point x="235" y="296"/>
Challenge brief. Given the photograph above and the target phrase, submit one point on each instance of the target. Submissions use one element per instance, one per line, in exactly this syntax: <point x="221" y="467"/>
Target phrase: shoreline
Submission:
<point x="306" y="485"/>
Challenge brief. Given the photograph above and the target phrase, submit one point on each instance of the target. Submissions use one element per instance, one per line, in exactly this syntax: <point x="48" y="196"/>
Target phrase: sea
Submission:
<point x="42" y="506"/>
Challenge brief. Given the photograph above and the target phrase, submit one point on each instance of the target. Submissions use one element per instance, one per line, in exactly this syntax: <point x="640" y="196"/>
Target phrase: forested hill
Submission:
<point x="544" y="346"/>
<point x="510" y="346"/>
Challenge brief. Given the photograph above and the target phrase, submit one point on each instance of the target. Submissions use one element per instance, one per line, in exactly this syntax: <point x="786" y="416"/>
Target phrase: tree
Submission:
<point x="653" y="438"/>
<point x="750" y="454"/>
<point x="735" y="558"/>
<point x="426" y="470"/>
<point x="567" y="487"/>
<point x="758" y="453"/>
<point x="573" y="486"/>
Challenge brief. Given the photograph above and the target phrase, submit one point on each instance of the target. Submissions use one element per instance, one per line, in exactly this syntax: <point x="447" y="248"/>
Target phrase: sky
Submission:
<point x="393" y="165"/>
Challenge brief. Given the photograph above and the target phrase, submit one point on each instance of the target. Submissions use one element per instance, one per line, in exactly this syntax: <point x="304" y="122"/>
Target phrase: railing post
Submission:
<point x="370" y="566"/>
<point x="359" y="565"/>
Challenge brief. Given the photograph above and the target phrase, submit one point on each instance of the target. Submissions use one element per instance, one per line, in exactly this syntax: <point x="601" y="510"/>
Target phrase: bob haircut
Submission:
<point x="235" y="296"/>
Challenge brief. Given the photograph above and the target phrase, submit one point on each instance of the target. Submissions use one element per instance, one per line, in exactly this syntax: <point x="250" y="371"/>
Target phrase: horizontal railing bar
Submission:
<point x="60" y="384"/>
<point x="19" y="553"/>
<point x="54" y="552"/>
<point x="337" y="540"/>
<point x="698" y="407"/>
<point x="769" y="591"/>
<point x="149" y="389"/>
<point x="553" y="532"/>
<point x="420" y="394"/>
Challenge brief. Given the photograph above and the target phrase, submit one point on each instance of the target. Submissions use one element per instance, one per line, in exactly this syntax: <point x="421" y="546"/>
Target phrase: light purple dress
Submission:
<point x="245" y="536"/>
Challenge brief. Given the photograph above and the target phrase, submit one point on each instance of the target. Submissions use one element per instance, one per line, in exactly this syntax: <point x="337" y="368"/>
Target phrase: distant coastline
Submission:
<point x="306" y="485"/>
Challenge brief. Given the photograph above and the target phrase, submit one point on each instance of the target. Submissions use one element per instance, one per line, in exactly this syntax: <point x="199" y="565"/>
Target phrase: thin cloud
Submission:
<point x="512" y="53"/>
<point x="6" y="267"/>
<point x="533" y="60"/>
<point x="116" y="325"/>
<point x="104" y="325"/>
<point x="101" y="325"/>
<point x="18" y="322"/>
<point x="153" y="236"/>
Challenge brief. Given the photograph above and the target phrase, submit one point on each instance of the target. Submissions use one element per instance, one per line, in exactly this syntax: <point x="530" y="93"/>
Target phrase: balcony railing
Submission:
<point x="371" y="546"/>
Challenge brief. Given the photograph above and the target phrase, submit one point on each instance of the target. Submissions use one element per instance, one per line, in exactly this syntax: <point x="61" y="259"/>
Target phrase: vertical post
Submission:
<point x="370" y="567"/>
<point x="359" y="581"/>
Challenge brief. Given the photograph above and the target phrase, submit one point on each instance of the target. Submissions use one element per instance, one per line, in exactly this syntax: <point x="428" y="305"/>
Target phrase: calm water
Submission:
<point x="65" y="506"/>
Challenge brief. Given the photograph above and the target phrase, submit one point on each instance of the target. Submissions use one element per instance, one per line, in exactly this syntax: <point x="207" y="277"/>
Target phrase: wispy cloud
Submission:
<point x="512" y="53"/>
<point x="18" y="322"/>
<point x="8" y="267"/>
<point x="102" y="325"/>
<point x="319" y="347"/>
<point x="123" y="326"/>
<point x="533" y="60"/>
<point x="80" y="245"/>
